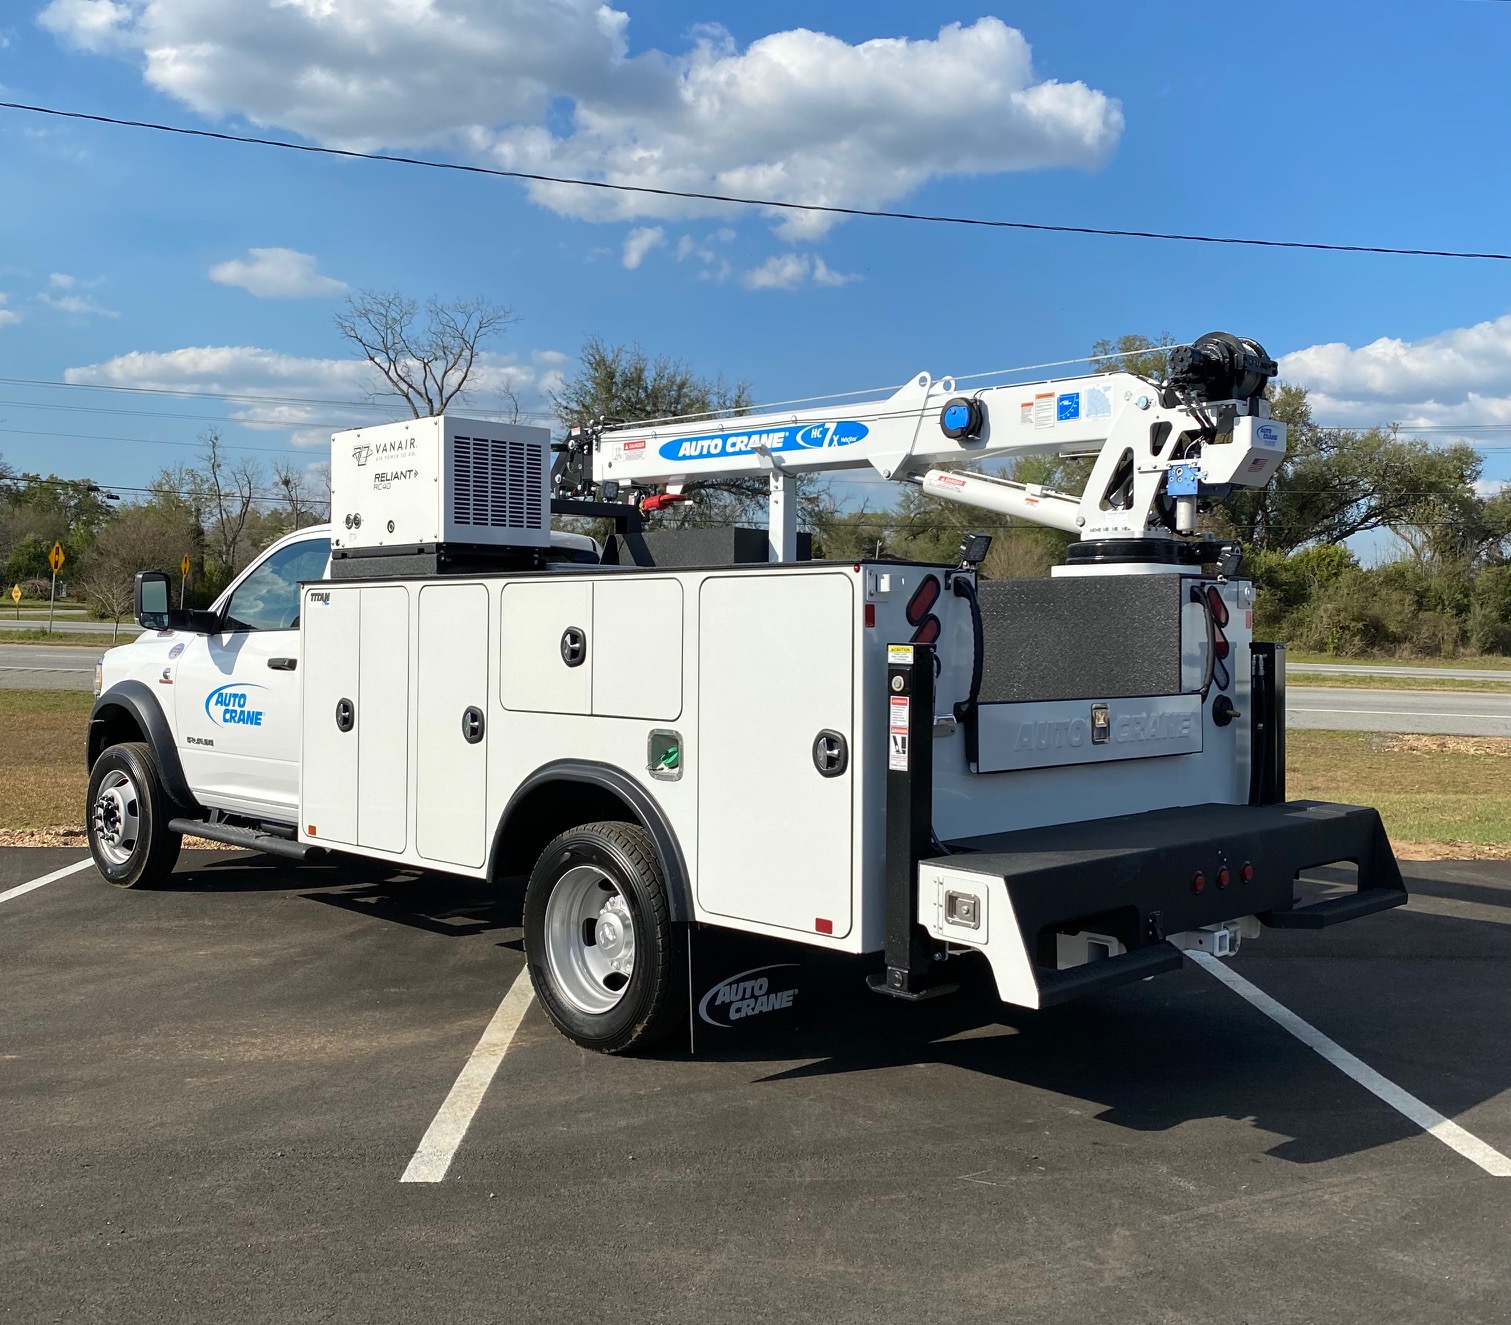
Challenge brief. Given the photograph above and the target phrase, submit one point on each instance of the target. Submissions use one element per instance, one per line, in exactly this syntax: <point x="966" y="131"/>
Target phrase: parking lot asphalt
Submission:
<point x="210" y="1092"/>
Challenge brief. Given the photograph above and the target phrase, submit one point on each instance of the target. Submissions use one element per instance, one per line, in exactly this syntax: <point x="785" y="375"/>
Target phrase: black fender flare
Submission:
<point x="616" y="781"/>
<point x="139" y="702"/>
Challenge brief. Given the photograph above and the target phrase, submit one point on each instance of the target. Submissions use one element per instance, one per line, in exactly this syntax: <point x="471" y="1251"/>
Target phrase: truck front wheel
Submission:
<point x="605" y="957"/>
<point x="128" y="818"/>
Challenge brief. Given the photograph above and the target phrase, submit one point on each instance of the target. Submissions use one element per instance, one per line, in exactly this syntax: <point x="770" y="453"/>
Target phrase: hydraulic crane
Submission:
<point x="1163" y="449"/>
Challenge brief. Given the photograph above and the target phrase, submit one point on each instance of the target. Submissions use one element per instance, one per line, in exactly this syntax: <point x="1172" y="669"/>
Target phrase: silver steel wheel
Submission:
<point x="115" y="819"/>
<point x="590" y="939"/>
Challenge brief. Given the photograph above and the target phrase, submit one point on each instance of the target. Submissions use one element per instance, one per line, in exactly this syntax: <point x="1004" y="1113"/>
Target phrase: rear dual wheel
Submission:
<point x="605" y="957"/>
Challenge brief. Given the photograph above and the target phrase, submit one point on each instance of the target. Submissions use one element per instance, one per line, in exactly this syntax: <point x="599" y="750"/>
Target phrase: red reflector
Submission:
<point x="310" y="830"/>
<point x="870" y="615"/>
<point x="1246" y="873"/>
<point x="824" y="926"/>
<point x="1223" y="877"/>
<point x="928" y="632"/>
<point x="924" y="597"/>
<point x="1215" y="602"/>
<point x="1199" y="883"/>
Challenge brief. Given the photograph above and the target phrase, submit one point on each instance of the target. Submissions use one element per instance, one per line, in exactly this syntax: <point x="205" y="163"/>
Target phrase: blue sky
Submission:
<point x="1382" y="122"/>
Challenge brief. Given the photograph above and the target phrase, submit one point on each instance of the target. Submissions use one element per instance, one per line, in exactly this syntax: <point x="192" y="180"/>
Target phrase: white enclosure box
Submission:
<point x="440" y="480"/>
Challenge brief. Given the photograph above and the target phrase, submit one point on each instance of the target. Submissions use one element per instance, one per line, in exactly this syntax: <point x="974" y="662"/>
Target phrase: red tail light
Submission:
<point x="1199" y="883"/>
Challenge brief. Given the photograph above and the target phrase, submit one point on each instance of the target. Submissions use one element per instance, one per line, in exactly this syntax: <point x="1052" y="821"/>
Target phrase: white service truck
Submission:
<point x="1070" y="779"/>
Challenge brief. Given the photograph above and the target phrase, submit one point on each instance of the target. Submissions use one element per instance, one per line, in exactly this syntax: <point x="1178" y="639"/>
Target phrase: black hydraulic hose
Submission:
<point x="965" y="588"/>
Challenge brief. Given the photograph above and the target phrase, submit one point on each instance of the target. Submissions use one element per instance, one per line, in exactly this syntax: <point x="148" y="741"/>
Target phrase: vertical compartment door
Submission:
<point x="775" y="673"/>
<point x="451" y="701"/>
<point x="332" y="715"/>
<point x="383" y="735"/>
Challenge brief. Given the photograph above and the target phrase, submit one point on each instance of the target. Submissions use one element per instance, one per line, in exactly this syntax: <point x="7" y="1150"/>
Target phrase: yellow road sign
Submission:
<point x="183" y="566"/>
<point x="55" y="558"/>
<point x="15" y="593"/>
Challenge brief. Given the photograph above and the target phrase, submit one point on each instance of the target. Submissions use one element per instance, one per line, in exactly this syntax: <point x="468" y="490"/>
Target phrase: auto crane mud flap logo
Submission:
<point x="233" y="706"/>
<point x="754" y="993"/>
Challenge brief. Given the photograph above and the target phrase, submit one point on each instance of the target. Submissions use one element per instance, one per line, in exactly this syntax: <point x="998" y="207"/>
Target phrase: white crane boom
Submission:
<point x="1160" y="448"/>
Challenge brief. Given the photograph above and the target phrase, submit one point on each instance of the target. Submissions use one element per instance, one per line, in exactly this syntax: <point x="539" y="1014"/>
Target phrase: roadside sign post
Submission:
<point x="15" y="597"/>
<point x="55" y="559"/>
<point x="183" y="579"/>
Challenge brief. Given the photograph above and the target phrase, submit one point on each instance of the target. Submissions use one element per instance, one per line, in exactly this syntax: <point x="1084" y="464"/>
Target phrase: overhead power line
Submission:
<point x="736" y="200"/>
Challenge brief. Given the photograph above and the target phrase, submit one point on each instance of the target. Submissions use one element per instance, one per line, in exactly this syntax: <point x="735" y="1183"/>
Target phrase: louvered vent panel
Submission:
<point x="497" y="484"/>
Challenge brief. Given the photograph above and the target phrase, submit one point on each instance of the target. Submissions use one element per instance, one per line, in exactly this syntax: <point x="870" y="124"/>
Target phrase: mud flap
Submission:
<point x="745" y="988"/>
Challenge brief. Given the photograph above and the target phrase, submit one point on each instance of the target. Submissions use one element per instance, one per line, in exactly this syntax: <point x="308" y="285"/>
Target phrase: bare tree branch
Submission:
<point x="428" y="364"/>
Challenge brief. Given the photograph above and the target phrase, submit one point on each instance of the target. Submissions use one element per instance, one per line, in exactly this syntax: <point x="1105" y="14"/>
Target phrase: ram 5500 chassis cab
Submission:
<point x="1069" y="780"/>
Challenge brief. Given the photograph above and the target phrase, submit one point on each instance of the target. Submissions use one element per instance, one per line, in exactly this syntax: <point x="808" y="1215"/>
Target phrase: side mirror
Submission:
<point x="151" y="599"/>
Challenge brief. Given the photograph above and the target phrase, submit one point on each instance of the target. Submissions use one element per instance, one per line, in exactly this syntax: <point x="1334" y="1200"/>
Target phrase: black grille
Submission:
<point x="1080" y="637"/>
<point x="497" y="484"/>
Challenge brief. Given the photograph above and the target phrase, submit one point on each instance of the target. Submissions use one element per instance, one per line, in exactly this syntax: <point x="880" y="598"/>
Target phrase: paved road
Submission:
<point x="1437" y="712"/>
<point x="129" y="629"/>
<point x="1390" y="669"/>
<point x="47" y="667"/>
<point x="212" y="1089"/>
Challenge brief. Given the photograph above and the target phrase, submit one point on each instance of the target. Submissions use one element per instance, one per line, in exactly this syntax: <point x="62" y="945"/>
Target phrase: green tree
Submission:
<point x="1134" y="354"/>
<point x="626" y="383"/>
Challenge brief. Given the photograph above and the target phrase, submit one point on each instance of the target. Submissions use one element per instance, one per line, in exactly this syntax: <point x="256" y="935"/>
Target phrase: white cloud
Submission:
<point x="795" y="116"/>
<point x="62" y="281"/>
<point x="75" y="305"/>
<point x="7" y="315"/>
<point x="787" y="271"/>
<point x="1460" y="376"/>
<point x="277" y="273"/>
<point x="641" y="241"/>
<point x="276" y="384"/>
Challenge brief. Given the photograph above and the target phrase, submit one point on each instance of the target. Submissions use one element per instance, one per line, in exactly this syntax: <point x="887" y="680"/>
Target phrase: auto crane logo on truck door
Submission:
<point x="232" y="706"/>
<point x="723" y="445"/>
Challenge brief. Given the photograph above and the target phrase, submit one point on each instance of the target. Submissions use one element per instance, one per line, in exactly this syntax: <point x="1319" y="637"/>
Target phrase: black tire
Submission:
<point x="652" y="1002"/>
<point x="126" y="818"/>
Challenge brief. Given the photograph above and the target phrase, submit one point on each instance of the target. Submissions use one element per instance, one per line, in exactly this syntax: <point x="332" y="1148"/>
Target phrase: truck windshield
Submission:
<point x="268" y="599"/>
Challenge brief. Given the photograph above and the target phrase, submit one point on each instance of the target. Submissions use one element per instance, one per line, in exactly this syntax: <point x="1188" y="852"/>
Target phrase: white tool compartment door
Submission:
<point x="776" y="669"/>
<point x="332" y="716"/>
<point x="451" y="770"/>
<point x="547" y="645"/>
<point x="383" y="733"/>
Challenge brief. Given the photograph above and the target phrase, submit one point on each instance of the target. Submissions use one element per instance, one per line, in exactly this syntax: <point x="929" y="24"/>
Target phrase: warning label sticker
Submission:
<point x="899" y="655"/>
<point x="1044" y="410"/>
<point x="897" y="754"/>
<point x="899" y="714"/>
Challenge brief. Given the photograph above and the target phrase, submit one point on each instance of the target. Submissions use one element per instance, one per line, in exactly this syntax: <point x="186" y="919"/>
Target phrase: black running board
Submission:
<point x="1334" y="911"/>
<point x="1074" y="981"/>
<point x="250" y="838"/>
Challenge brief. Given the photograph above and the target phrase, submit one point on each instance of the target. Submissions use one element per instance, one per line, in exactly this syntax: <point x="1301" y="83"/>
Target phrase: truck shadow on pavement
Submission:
<point x="1418" y="995"/>
<point x="445" y="904"/>
<point x="1180" y="1048"/>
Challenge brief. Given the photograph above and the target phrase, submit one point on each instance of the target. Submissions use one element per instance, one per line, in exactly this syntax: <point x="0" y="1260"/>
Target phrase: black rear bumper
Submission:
<point x="1135" y="877"/>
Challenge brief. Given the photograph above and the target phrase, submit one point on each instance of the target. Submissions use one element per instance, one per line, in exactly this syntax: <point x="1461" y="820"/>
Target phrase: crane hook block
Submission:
<point x="962" y="417"/>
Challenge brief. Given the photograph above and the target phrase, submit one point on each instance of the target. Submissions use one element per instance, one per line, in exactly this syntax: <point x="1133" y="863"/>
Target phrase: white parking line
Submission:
<point x="439" y="1144"/>
<point x="47" y="878"/>
<point x="80" y="670"/>
<point x="1428" y="1119"/>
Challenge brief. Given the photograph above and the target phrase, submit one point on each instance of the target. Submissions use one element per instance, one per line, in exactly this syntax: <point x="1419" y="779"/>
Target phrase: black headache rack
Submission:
<point x="1133" y="877"/>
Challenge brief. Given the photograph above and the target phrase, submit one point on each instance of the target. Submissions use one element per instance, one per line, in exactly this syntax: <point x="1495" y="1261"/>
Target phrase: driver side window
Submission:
<point x="268" y="599"/>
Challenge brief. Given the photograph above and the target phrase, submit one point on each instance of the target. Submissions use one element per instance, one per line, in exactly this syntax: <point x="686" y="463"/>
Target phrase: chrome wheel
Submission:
<point x="115" y="819"/>
<point x="589" y="939"/>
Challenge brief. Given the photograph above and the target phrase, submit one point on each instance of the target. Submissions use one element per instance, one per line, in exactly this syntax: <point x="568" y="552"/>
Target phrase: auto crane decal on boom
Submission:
<point x="1161" y="451"/>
